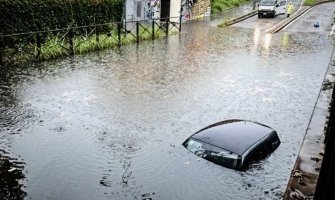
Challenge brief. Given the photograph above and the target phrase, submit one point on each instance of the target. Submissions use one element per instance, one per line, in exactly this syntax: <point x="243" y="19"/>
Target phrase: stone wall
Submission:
<point x="201" y="8"/>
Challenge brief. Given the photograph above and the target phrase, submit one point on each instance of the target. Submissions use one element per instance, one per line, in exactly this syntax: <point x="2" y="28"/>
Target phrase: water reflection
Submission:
<point x="11" y="177"/>
<point x="284" y="40"/>
<point x="257" y="34"/>
<point x="262" y="41"/>
<point x="267" y="40"/>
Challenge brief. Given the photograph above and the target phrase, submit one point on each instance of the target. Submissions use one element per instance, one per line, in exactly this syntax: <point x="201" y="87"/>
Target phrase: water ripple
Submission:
<point x="11" y="171"/>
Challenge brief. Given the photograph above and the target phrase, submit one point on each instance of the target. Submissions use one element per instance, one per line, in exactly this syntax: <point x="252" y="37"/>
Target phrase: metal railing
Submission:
<point x="46" y="44"/>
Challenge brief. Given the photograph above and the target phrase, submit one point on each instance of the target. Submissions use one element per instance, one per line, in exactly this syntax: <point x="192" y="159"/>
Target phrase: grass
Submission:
<point x="57" y="46"/>
<point x="53" y="48"/>
<point x="221" y="5"/>
<point x="309" y="2"/>
<point x="223" y="23"/>
<point x="314" y="2"/>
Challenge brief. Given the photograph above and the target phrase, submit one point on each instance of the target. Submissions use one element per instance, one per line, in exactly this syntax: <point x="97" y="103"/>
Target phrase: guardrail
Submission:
<point x="48" y="44"/>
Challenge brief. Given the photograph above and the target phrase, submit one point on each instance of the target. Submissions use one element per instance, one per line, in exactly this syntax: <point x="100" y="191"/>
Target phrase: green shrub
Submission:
<point x="309" y="2"/>
<point x="221" y="5"/>
<point x="32" y="15"/>
<point x="57" y="45"/>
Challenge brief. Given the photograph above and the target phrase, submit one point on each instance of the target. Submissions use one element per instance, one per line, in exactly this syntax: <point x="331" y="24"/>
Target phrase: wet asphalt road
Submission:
<point x="321" y="14"/>
<point x="109" y="125"/>
<point x="266" y="23"/>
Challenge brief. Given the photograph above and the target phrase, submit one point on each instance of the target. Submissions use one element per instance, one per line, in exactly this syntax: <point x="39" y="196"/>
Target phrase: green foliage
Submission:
<point x="53" y="48"/>
<point x="223" y="23"/>
<point x="309" y="2"/>
<point x="221" y="5"/>
<point x="58" y="45"/>
<point x="33" y="15"/>
<point x="28" y="16"/>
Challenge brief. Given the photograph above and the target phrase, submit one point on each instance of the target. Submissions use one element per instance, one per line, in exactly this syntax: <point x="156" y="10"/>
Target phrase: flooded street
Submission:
<point x="109" y="125"/>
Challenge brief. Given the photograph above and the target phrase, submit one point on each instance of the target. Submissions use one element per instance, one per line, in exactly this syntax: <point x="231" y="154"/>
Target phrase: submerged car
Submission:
<point x="233" y="144"/>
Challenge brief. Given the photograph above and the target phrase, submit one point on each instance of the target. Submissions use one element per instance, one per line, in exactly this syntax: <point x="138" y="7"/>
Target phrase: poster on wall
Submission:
<point x="191" y="9"/>
<point x="186" y="10"/>
<point x="153" y="9"/>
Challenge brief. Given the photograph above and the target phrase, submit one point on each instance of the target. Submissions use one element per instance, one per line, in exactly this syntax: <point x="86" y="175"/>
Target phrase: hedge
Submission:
<point x="19" y="16"/>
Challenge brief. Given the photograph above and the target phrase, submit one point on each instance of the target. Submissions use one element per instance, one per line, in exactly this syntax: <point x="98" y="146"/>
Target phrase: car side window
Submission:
<point x="223" y="157"/>
<point x="255" y="156"/>
<point x="260" y="153"/>
<point x="272" y="143"/>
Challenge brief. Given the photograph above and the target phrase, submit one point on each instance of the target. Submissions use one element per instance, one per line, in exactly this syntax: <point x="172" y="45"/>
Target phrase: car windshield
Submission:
<point x="268" y="3"/>
<point x="212" y="153"/>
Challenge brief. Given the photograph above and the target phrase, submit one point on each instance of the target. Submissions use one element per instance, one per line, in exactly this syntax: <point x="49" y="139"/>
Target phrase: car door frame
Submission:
<point x="281" y="7"/>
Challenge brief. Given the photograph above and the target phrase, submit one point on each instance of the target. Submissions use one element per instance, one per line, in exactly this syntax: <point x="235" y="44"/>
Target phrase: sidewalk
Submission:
<point x="306" y="171"/>
<point x="288" y="20"/>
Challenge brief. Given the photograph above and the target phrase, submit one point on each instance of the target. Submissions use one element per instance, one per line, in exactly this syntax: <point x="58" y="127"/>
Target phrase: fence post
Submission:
<point x="1" y="63"/>
<point x="1" y="47"/>
<point x="38" y="41"/>
<point x="153" y="29"/>
<point x="119" y="33"/>
<point x="137" y="32"/>
<point x="71" y="41"/>
<point x="167" y="26"/>
<point x="180" y="18"/>
<point x="38" y="44"/>
<point x="97" y="35"/>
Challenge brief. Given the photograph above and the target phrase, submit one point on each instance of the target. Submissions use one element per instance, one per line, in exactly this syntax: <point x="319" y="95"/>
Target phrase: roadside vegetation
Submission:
<point x="314" y="2"/>
<point x="309" y="2"/>
<point x="19" y="16"/>
<point x="56" y="46"/>
<point x="221" y="5"/>
<point x="31" y="16"/>
<point x="48" y="29"/>
<point x="223" y="23"/>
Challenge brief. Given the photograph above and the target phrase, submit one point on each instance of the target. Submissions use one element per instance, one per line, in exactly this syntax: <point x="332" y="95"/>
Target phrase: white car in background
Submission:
<point x="271" y="8"/>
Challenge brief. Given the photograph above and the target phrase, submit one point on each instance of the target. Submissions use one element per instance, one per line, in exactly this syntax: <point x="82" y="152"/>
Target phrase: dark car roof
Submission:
<point x="236" y="136"/>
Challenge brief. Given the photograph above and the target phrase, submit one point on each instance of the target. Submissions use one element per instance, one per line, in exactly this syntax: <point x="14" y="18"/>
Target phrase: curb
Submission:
<point x="232" y="8"/>
<point x="295" y="15"/>
<point x="239" y="19"/>
<point x="286" y="21"/>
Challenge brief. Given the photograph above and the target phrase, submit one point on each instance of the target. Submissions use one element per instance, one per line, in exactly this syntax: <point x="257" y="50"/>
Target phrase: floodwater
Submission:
<point x="109" y="125"/>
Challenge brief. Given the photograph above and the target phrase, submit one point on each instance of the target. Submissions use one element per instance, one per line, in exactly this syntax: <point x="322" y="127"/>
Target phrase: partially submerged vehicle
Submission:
<point x="233" y="144"/>
<point x="271" y="8"/>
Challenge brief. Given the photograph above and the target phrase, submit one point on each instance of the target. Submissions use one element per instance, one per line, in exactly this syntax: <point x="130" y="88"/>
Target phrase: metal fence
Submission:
<point x="48" y="44"/>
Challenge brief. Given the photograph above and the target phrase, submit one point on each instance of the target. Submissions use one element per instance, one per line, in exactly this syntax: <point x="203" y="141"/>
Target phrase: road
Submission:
<point x="321" y="13"/>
